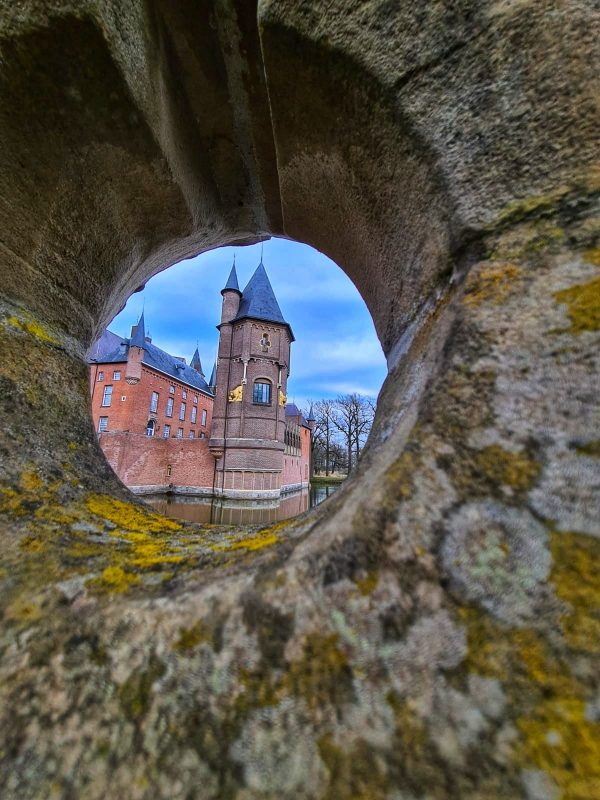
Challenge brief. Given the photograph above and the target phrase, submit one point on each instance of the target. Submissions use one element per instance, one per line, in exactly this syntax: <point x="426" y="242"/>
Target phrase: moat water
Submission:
<point x="240" y="512"/>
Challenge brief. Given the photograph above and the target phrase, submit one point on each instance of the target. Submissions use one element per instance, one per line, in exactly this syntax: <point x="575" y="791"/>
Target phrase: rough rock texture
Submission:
<point x="434" y="630"/>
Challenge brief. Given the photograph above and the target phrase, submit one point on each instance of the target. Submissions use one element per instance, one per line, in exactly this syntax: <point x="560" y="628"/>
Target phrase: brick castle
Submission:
<point x="164" y="427"/>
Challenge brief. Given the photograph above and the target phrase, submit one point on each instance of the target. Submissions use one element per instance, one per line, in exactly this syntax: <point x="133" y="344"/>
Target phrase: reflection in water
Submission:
<point x="240" y="512"/>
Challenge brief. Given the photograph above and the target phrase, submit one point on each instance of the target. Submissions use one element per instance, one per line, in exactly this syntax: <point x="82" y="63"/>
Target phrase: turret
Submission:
<point x="196" y="364"/>
<point x="212" y="384"/>
<point x="135" y="355"/>
<point x="231" y="296"/>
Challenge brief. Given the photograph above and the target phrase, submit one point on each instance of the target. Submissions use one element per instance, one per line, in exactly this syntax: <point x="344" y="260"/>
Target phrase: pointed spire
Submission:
<point x="195" y="363"/>
<point x="232" y="284"/>
<point x="311" y="416"/>
<point x="139" y="335"/>
<point x="259" y="301"/>
<point x="213" y="377"/>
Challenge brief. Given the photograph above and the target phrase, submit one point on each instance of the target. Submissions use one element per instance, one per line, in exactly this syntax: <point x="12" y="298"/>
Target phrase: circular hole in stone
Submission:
<point x="238" y="386"/>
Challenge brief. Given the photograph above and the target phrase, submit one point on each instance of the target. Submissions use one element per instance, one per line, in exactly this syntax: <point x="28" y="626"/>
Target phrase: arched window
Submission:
<point x="261" y="392"/>
<point x="150" y="427"/>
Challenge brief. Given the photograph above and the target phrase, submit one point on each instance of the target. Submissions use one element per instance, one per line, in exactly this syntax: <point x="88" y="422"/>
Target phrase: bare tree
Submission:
<point x="352" y="416"/>
<point x="323" y="433"/>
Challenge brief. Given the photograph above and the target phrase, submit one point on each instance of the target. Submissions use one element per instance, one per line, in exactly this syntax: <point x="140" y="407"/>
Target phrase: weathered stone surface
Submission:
<point x="394" y="644"/>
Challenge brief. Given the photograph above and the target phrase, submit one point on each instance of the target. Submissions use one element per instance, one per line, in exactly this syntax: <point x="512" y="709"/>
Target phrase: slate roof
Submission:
<point x="196" y="364"/>
<point x="158" y="359"/>
<point x="107" y="343"/>
<point x="259" y="302"/>
<point x="292" y="410"/>
<point x="139" y="335"/>
<point x="232" y="284"/>
<point x="213" y="376"/>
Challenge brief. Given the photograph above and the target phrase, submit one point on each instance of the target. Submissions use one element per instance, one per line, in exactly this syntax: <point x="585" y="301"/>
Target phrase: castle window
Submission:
<point x="203" y="417"/>
<point x="184" y="394"/>
<point x="171" y="390"/>
<point x="262" y="393"/>
<point x="166" y="431"/>
<point x="168" y="470"/>
<point x="102" y="424"/>
<point x="182" y="411"/>
<point x="202" y="435"/>
<point x="107" y="395"/>
<point x="117" y="375"/>
<point x="100" y="376"/>
<point x="150" y="428"/>
<point x="194" y="412"/>
<point x="180" y="433"/>
<point x="154" y="402"/>
<point x="170" y="407"/>
<point x="195" y="398"/>
<point x="192" y="434"/>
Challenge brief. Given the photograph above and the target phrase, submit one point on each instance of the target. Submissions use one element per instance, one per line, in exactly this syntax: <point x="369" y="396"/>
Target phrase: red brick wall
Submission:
<point x="141" y="460"/>
<point x="296" y="468"/>
<point x="132" y="413"/>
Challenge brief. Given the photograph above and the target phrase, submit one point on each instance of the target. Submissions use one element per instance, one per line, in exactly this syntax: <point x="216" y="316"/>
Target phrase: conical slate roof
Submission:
<point x="195" y="363"/>
<point x="139" y="335"/>
<point x="232" y="284"/>
<point x="259" y="301"/>
<point x="213" y="376"/>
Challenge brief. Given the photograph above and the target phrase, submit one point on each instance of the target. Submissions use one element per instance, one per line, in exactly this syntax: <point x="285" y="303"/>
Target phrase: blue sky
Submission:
<point x="336" y="349"/>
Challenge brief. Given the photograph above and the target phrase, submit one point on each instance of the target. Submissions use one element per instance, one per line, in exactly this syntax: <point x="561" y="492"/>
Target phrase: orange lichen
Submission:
<point x="493" y="283"/>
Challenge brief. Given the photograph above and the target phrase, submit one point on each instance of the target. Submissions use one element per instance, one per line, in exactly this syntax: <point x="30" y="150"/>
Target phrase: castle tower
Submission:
<point x="133" y="370"/>
<point x="248" y="427"/>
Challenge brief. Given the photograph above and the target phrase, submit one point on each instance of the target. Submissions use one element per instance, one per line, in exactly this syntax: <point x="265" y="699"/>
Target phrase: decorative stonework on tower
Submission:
<point x="248" y="433"/>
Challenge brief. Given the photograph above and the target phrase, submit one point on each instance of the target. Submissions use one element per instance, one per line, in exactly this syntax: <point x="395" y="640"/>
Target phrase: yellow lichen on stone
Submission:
<point x="129" y="516"/>
<point x="33" y="544"/>
<point x="23" y="611"/>
<point x="558" y="736"/>
<point x="593" y="256"/>
<point x="31" y="481"/>
<point x="562" y="742"/>
<point x="492" y="283"/>
<point x="583" y="306"/>
<point x="530" y="206"/>
<point x="189" y="638"/>
<point x="575" y="579"/>
<point x="355" y="773"/>
<point x="589" y="449"/>
<point x="260" y="540"/>
<point x="367" y="585"/>
<point x="113" y="579"/>
<point x="323" y="674"/>
<point x="502" y="466"/>
<point x="33" y="328"/>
